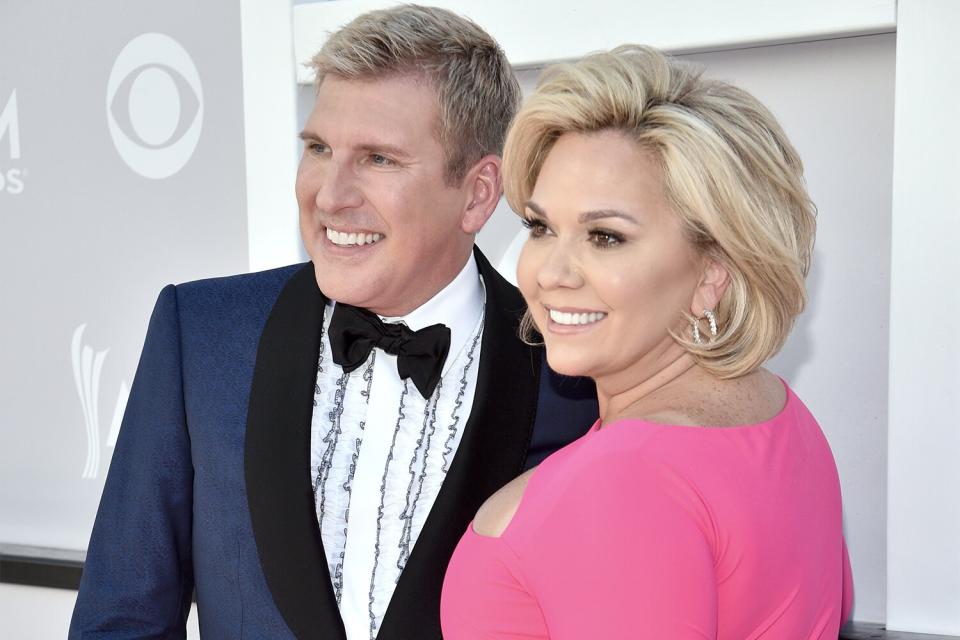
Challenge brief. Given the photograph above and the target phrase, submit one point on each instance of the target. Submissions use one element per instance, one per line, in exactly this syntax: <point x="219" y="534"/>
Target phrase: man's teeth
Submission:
<point x="349" y="239"/>
<point x="561" y="317"/>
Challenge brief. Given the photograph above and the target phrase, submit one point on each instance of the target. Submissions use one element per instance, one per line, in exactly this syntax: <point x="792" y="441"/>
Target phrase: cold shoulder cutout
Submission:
<point x="495" y="515"/>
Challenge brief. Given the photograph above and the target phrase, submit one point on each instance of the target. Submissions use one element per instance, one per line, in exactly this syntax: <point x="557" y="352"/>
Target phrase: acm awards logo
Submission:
<point x="154" y="105"/>
<point x="11" y="178"/>
<point x="87" y="370"/>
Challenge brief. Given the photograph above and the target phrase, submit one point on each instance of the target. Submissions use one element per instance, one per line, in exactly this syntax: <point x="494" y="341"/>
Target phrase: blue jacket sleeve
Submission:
<point x="138" y="578"/>
<point x="566" y="408"/>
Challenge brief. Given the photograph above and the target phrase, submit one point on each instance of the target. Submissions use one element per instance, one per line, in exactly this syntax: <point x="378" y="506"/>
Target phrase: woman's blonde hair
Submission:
<point x="730" y="174"/>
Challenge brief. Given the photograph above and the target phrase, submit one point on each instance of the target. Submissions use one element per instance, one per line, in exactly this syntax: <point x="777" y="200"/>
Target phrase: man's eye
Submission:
<point x="605" y="239"/>
<point x="380" y="161"/>
<point x="318" y="148"/>
<point x="537" y="228"/>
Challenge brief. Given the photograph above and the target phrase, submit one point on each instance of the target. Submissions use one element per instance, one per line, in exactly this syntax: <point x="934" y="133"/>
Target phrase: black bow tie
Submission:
<point x="354" y="332"/>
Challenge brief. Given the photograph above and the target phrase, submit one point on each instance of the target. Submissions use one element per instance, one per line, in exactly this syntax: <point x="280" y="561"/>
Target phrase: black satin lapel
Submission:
<point x="277" y="462"/>
<point x="491" y="453"/>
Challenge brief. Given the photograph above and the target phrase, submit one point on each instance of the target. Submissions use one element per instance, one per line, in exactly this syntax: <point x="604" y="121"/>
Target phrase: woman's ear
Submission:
<point x="713" y="283"/>
<point x="484" y="186"/>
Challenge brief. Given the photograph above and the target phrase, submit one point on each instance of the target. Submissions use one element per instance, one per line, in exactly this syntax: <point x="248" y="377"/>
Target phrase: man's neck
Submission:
<point x="459" y="305"/>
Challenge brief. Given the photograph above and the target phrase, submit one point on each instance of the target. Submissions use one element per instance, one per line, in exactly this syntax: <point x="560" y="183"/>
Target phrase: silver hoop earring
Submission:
<point x="711" y="318"/>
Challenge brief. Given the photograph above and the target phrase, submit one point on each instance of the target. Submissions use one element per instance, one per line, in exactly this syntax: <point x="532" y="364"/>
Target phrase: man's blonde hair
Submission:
<point x="730" y="174"/>
<point x="477" y="92"/>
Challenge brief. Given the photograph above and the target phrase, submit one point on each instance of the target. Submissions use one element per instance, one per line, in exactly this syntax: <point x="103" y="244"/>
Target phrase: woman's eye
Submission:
<point x="537" y="228"/>
<point x="605" y="239"/>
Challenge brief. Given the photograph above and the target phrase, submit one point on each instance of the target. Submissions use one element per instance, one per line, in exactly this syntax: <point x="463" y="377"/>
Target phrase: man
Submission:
<point x="303" y="447"/>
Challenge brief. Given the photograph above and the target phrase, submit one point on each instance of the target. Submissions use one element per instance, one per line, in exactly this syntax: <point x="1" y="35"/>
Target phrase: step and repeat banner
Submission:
<point x="121" y="170"/>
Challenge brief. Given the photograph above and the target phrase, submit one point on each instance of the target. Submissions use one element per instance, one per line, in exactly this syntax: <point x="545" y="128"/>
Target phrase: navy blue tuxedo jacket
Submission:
<point x="209" y="488"/>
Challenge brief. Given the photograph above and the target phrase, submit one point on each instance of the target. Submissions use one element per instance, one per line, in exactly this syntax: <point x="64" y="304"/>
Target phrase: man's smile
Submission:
<point x="352" y="238"/>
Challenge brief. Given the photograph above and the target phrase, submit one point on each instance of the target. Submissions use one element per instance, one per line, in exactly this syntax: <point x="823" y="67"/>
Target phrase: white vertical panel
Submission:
<point x="269" y="113"/>
<point x="923" y="525"/>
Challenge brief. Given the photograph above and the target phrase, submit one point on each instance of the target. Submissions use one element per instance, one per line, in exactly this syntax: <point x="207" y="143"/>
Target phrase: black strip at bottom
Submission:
<point x="871" y="631"/>
<point x="40" y="572"/>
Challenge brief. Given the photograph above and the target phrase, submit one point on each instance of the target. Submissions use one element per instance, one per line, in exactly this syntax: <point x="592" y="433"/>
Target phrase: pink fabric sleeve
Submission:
<point x="623" y="549"/>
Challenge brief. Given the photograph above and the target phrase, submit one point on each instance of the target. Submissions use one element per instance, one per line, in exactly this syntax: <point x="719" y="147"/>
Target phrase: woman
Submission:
<point x="670" y="234"/>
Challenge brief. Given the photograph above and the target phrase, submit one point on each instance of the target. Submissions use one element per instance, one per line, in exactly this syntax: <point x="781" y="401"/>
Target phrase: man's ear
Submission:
<point x="713" y="283"/>
<point x="482" y="188"/>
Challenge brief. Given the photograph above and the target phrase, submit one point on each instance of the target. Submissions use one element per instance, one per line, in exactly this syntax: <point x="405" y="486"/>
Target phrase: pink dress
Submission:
<point x="642" y="530"/>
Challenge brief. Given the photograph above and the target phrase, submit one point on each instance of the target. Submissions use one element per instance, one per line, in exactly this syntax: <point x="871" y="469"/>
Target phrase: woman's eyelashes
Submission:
<point x="605" y="239"/>
<point x="536" y="226"/>
<point x="599" y="238"/>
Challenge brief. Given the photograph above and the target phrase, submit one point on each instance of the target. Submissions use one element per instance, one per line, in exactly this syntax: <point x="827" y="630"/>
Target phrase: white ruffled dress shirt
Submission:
<point x="380" y="452"/>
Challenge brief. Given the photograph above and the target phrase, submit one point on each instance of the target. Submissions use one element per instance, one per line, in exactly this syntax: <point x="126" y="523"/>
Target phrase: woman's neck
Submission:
<point x="616" y="403"/>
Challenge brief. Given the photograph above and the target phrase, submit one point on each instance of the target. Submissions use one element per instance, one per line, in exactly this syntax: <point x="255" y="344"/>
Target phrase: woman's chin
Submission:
<point x="570" y="363"/>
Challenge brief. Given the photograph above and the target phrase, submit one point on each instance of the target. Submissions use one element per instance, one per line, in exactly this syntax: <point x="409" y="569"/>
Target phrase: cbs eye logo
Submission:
<point x="154" y="105"/>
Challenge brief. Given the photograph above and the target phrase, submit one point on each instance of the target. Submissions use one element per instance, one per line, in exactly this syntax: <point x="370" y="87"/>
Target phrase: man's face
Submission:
<point x="382" y="227"/>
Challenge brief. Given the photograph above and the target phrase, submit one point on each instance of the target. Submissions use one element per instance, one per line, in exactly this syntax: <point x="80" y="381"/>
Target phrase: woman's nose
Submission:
<point x="560" y="268"/>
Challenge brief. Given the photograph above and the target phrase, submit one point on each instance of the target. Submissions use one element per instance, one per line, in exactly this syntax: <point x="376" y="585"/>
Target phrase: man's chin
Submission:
<point x="348" y="286"/>
<point x="332" y="282"/>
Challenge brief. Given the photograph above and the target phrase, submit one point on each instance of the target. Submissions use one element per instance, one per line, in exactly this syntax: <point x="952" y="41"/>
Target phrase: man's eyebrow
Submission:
<point x="368" y="147"/>
<point x="384" y="148"/>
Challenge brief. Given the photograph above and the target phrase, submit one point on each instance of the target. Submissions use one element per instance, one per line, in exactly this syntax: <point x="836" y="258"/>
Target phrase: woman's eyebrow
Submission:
<point x="537" y="209"/>
<point x="599" y="214"/>
<point x="586" y="216"/>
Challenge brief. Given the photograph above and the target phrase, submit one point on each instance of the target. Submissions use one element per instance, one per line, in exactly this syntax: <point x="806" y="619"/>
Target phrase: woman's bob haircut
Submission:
<point x="730" y="174"/>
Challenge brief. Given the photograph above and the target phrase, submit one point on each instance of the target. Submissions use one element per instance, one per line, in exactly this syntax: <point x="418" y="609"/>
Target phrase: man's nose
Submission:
<point x="560" y="268"/>
<point x="338" y="189"/>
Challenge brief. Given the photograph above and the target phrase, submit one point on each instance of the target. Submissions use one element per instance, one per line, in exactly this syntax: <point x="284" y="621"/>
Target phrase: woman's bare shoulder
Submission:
<point x="756" y="397"/>
<point x="495" y="515"/>
<point x="750" y="399"/>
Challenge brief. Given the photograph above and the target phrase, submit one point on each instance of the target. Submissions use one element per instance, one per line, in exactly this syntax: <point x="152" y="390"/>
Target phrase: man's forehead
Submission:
<point x="390" y="110"/>
<point x="407" y="75"/>
<point x="391" y="86"/>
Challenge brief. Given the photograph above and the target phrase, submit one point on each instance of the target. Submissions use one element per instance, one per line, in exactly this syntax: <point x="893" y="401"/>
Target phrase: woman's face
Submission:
<point x="606" y="272"/>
